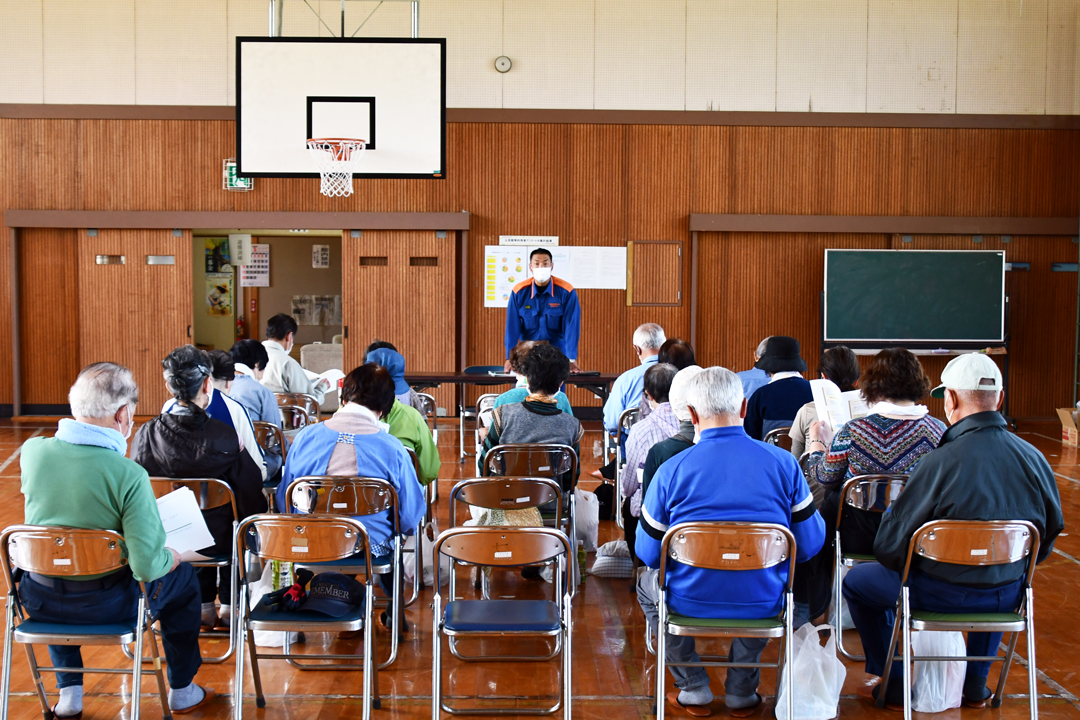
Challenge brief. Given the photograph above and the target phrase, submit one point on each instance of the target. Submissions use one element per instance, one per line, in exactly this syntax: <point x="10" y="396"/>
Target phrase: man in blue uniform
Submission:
<point x="543" y="308"/>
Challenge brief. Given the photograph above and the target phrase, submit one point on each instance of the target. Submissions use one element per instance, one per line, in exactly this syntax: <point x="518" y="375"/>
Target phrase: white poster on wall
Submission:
<point x="257" y="272"/>
<point x="584" y="267"/>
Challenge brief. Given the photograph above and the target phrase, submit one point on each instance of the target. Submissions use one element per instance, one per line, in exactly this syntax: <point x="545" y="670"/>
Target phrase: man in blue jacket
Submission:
<point x="543" y="307"/>
<point x="726" y="476"/>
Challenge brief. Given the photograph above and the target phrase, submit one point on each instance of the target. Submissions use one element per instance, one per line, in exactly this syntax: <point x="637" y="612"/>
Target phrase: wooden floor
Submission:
<point x="613" y="673"/>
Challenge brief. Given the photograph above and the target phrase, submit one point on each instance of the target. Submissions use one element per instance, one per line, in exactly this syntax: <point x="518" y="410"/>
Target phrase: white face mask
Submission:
<point x="541" y="274"/>
<point x="130" y="427"/>
<point x="948" y="415"/>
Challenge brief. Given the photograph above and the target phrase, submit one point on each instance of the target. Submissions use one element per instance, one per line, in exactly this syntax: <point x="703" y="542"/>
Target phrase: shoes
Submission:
<point x="977" y="699"/>
<point x="894" y="706"/>
<point x="700" y="711"/>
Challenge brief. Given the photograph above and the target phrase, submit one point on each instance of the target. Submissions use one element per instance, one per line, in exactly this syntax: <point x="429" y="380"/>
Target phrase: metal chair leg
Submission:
<point x="136" y="673"/>
<point x="789" y="653"/>
<point x="156" y="655"/>
<point x="1033" y="688"/>
<point x="436" y="656"/>
<point x="567" y="657"/>
<point x="239" y="620"/>
<point x="880" y="702"/>
<point x="661" y="648"/>
<point x="260" y="700"/>
<point x="1000" y="689"/>
<point x="906" y="627"/>
<point x="39" y="684"/>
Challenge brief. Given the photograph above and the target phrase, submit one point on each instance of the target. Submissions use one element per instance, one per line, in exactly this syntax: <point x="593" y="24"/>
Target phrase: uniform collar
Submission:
<point x="546" y="289"/>
<point x="722" y="432"/>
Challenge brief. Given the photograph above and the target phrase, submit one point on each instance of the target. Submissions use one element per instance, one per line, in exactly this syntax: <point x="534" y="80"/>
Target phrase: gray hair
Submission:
<point x="714" y="392"/>
<point x="677" y="393"/>
<point x="982" y="399"/>
<point x="760" y="352"/>
<point x="649" y="336"/>
<point x="101" y="389"/>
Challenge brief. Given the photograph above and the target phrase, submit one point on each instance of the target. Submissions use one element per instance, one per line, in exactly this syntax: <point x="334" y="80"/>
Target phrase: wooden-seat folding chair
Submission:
<point x="778" y="437"/>
<point x="973" y="543"/>
<point x="533" y="460"/>
<point x="303" y="539"/>
<point x="302" y="400"/>
<point x="508" y="619"/>
<point x="504" y="493"/>
<point x="869" y="493"/>
<point x="70" y="553"/>
<point x="417" y="557"/>
<point x="354" y="497"/>
<point x="272" y="441"/>
<point x="626" y="421"/>
<point x="431" y="415"/>
<point x="294" y="419"/>
<point x="464" y="412"/>
<point x="726" y="546"/>
<point x="485" y="407"/>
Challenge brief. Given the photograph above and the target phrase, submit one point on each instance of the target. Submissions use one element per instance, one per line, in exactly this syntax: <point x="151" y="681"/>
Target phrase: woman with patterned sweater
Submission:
<point x="890" y="440"/>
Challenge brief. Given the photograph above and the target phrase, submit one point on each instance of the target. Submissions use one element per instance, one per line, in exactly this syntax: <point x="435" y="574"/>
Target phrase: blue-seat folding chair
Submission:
<point x="505" y="493"/>
<point x="533" y="460"/>
<point x="303" y="539"/>
<point x="726" y="546"/>
<point x="973" y="543"/>
<point x="353" y="497"/>
<point x="509" y="619"/>
<point x="70" y="553"/>
<point x="626" y="421"/>
<point x="870" y="493"/>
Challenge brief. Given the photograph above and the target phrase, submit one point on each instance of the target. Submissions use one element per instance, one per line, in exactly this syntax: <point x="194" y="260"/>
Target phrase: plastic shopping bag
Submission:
<point x="938" y="685"/>
<point x="819" y="676"/>
<point x="587" y="507"/>
<point x="275" y="576"/>
<point x="428" y="533"/>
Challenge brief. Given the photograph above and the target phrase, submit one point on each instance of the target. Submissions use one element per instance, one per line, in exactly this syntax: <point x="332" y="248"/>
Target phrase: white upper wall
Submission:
<point x="933" y="56"/>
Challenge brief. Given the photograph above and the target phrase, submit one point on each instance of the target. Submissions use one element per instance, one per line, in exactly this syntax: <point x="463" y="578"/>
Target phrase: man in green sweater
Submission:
<point x="81" y="478"/>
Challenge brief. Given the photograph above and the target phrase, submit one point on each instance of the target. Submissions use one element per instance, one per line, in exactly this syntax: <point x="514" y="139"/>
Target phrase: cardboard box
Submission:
<point x="1069" y="435"/>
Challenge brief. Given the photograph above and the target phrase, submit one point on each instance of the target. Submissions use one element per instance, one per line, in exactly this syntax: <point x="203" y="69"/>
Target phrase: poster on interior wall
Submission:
<point x="257" y="272"/>
<point x="506" y="266"/>
<point x="303" y="309"/>
<point x="327" y="309"/>
<point x="219" y="295"/>
<point x="320" y="257"/>
<point x="217" y="255"/>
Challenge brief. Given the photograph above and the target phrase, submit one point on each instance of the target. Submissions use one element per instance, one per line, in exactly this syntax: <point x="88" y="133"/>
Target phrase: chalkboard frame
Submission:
<point x="1002" y="339"/>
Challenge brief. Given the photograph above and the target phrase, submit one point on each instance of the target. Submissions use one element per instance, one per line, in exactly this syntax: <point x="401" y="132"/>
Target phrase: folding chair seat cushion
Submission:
<point x="857" y="557"/>
<point x="1015" y="619"/>
<point x="30" y="627"/>
<point x="286" y="617"/>
<point x="539" y="616"/>
<point x="691" y="625"/>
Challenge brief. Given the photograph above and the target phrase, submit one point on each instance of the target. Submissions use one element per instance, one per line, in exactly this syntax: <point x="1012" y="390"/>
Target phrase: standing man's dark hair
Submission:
<point x="279" y="326"/>
<point x="540" y="251"/>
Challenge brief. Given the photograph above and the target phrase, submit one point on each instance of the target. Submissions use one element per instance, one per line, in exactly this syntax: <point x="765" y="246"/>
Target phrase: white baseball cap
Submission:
<point x="973" y="371"/>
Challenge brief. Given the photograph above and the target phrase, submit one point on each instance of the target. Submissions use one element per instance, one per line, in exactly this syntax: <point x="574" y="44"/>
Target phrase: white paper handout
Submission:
<point x="835" y="407"/>
<point x="331" y="377"/>
<point x="185" y="528"/>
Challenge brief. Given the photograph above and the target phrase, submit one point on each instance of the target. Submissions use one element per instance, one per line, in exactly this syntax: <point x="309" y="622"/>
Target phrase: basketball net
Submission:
<point x="336" y="158"/>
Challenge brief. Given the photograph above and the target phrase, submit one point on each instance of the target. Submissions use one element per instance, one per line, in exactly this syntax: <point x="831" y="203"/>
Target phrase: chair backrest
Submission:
<point x="532" y="460"/>
<point x="871" y="493"/>
<point x="308" y="402"/>
<point x="628" y="418"/>
<point x="501" y="546"/>
<point x="60" y="551"/>
<point x="975" y="542"/>
<point x="209" y="492"/>
<point x="482" y="369"/>
<point x="506" y="493"/>
<point x="728" y="546"/>
<point x="485" y="404"/>
<point x="430" y="411"/>
<point x="294" y="417"/>
<point x="303" y="538"/>
<point x="415" y="461"/>
<point x="352" y="496"/>
<point x="270" y="438"/>
<point x="779" y="437"/>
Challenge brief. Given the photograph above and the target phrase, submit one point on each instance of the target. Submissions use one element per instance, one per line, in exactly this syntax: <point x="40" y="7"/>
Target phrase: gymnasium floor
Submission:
<point x="613" y="673"/>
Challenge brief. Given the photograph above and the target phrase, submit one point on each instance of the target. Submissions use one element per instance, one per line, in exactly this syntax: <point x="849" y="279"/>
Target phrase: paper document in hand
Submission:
<point x="185" y="529"/>
<point x="331" y="377"/>
<point x="835" y="407"/>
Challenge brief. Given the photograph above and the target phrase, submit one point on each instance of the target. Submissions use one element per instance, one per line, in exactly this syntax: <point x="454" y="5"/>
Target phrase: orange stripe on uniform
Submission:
<point x="522" y="284"/>
<point x="562" y="283"/>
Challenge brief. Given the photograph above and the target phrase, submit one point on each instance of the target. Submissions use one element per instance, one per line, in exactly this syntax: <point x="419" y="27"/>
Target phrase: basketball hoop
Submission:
<point x="336" y="158"/>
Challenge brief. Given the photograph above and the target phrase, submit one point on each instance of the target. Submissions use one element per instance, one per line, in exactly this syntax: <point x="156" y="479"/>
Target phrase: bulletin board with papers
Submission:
<point x="583" y="266"/>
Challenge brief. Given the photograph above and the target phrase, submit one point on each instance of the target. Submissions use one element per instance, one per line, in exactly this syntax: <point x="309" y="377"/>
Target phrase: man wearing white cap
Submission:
<point x="980" y="471"/>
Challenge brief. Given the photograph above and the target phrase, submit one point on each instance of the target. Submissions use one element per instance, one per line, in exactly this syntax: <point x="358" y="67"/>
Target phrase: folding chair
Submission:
<point x="505" y="493"/>
<point x="779" y="437"/>
<point x="485" y="405"/>
<point x="353" y="496"/>
<point x="974" y="543"/>
<point x="272" y="440"/>
<point x="304" y="539"/>
<point x="510" y="619"/>
<point x="626" y="421"/>
<point x="70" y="553"/>
<point x="303" y="400"/>
<point x="870" y="493"/>
<point x="294" y="418"/>
<point x="431" y="413"/>
<point x="726" y="546"/>
<point x="418" y="563"/>
<point x="542" y="460"/>
<point x="210" y="493"/>
<point x="464" y="412"/>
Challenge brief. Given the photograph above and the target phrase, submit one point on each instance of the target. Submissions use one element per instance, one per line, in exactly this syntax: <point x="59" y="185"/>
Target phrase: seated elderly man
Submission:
<point x="354" y="443"/>
<point x="283" y="374"/>
<point x="660" y="425"/>
<point x="980" y="471"/>
<point x="726" y="476"/>
<point x="754" y="378"/>
<point x="406" y="423"/>
<point x="80" y="478"/>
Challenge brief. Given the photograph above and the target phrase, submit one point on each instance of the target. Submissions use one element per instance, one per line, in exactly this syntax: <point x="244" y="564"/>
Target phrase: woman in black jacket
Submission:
<point x="188" y="443"/>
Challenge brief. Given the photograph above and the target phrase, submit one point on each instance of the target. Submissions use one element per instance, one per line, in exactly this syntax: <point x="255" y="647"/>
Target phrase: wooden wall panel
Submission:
<point x="411" y="306"/>
<point x="134" y="314"/>
<point x="656" y="273"/>
<point x="594" y="184"/>
<point x="48" y="314"/>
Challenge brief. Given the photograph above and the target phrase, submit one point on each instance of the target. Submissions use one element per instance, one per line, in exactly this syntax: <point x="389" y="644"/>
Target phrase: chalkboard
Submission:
<point x="915" y="295"/>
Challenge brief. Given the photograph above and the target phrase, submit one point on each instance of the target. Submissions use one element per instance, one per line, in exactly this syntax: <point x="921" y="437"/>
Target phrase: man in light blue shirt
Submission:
<point x="626" y="390"/>
<point x="753" y="378"/>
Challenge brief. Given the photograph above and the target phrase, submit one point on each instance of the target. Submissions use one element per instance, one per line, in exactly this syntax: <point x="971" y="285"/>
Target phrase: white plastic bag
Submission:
<point x="428" y="533"/>
<point x="275" y="576"/>
<point x="587" y="507"/>
<point x="819" y="676"/>
<point x="938" y="686"/>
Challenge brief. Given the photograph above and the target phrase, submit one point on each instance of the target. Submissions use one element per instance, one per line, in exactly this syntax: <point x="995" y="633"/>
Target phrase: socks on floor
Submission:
<point x="698" y="696"/>
<point x="185" y="697"/>
<point x="70" y="702"/>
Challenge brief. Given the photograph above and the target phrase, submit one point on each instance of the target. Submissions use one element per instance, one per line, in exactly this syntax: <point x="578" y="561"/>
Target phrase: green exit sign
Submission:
<point x="231" y="181"/>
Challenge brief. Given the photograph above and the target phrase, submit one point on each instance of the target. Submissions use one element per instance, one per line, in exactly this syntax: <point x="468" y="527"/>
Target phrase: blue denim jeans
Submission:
<point x="173" y="599"/>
